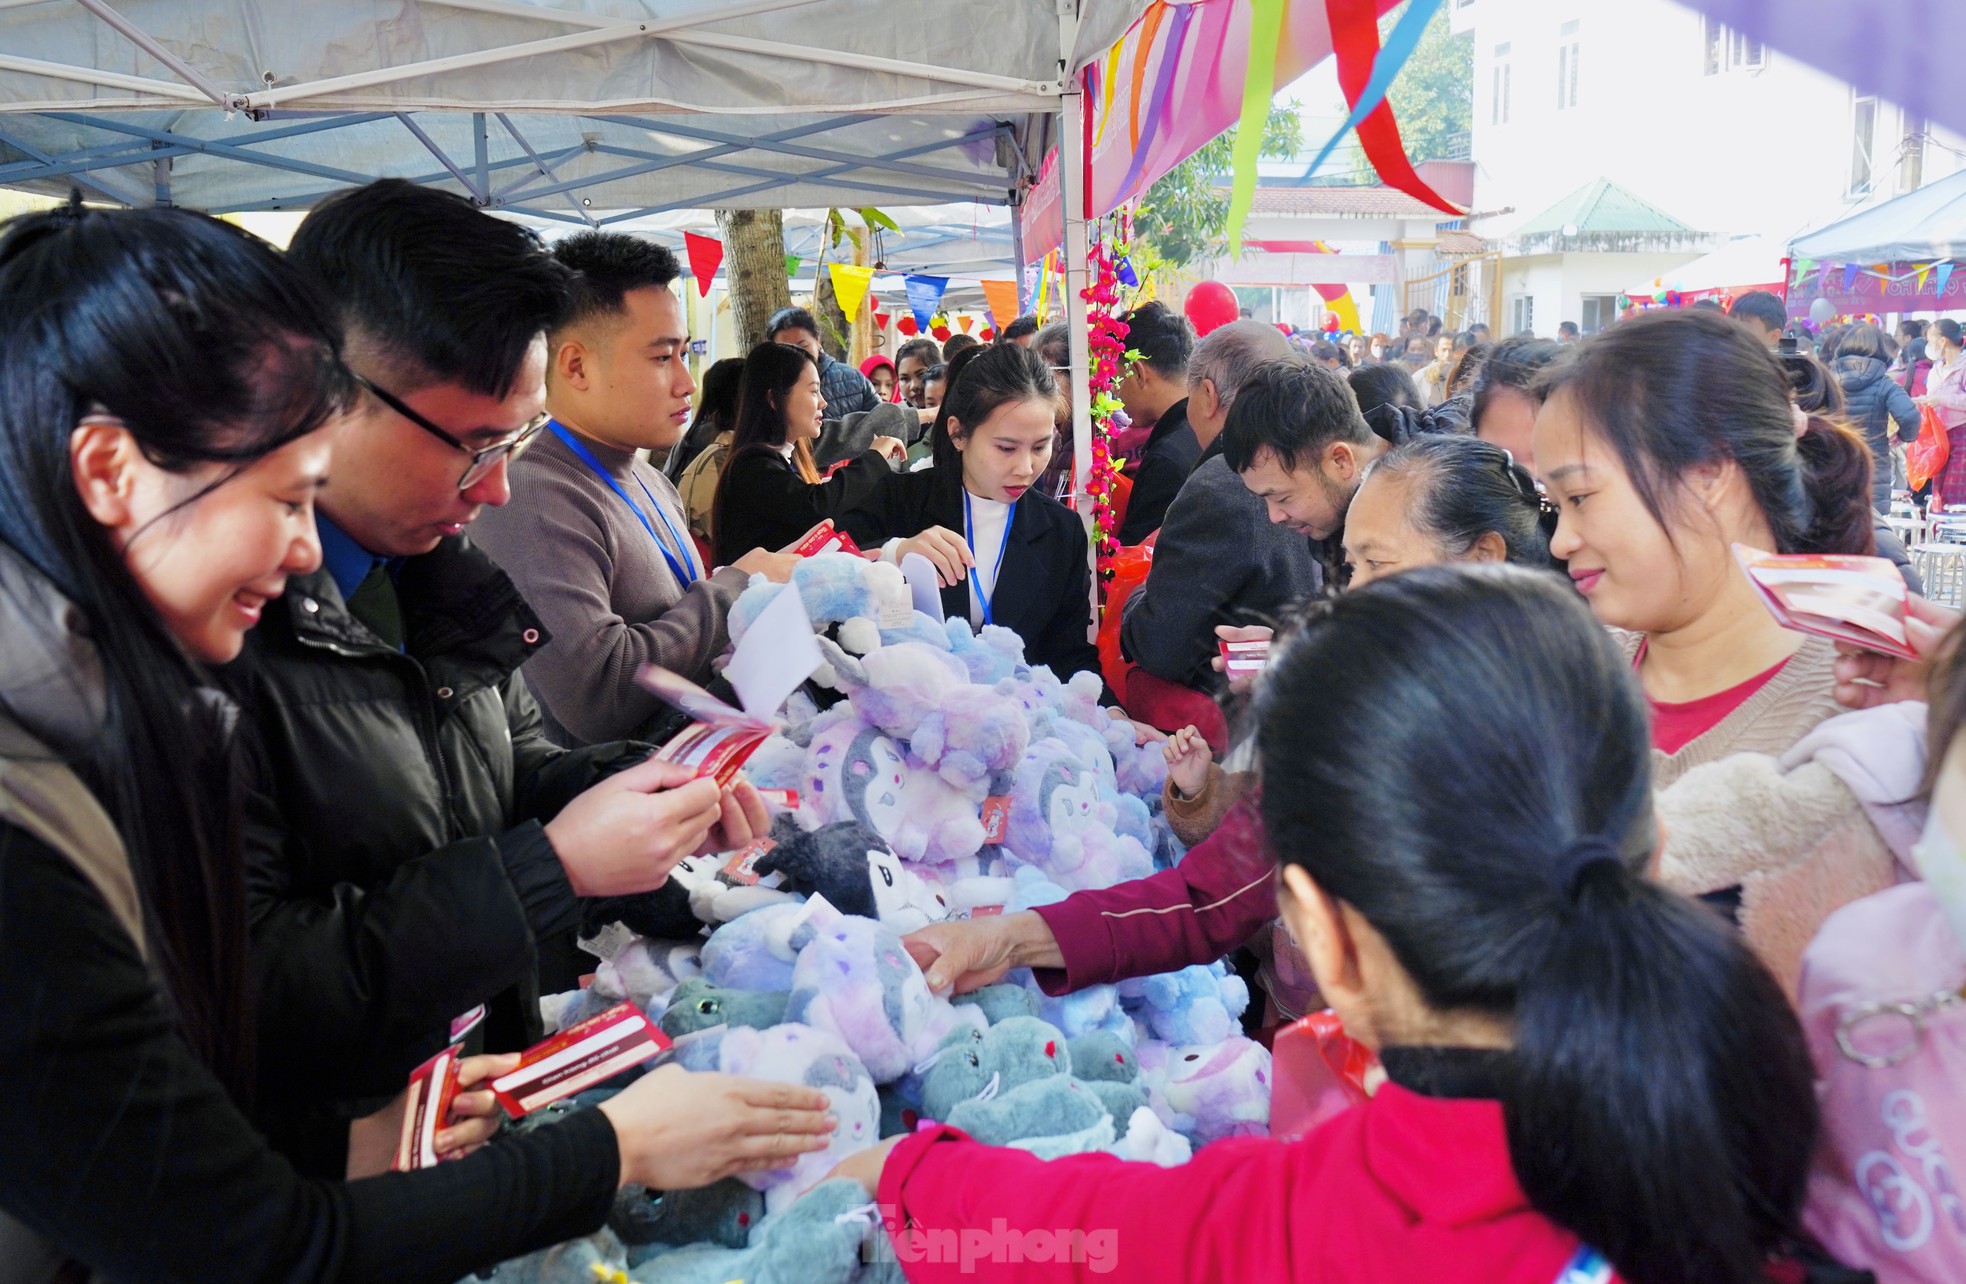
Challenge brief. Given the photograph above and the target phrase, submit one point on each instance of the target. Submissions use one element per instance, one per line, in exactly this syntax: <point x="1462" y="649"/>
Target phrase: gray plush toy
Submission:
<point x="699" y="1005"/>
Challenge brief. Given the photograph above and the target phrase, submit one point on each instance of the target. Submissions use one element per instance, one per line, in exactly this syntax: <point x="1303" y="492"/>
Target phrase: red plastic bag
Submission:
<point x="1926" y="457"/>
<point x="1318" y="1072"/>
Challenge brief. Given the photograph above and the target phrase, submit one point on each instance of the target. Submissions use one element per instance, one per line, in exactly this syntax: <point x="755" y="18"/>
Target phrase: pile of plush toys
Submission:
<point x="946" y="778"/>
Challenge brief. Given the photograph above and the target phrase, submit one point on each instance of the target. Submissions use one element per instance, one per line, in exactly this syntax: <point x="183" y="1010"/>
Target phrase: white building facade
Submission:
<point x="1729" y="137"/>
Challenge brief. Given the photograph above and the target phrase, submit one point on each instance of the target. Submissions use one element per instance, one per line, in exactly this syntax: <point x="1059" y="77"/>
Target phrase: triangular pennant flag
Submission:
<point x="964" y="320"/>
<point x="1822" y="278"/>
<point x="925" y="296"/>
<point x="1923" y="272"/>
<point x="1883" y="271"/>
<point x="1849" y="277"/>
<point x="1802" y="267"/>
<point x="706" y="254"/>
<point x="850" y="286"/>
<point x="1002" y="298"/>
<point x="792" y="262"/>
<point x="1941" y="274"/>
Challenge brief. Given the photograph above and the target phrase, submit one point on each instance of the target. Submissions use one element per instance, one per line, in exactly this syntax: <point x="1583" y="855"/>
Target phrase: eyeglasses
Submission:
<point x="482" y="460"/>
<point x="1881" y="1034"/>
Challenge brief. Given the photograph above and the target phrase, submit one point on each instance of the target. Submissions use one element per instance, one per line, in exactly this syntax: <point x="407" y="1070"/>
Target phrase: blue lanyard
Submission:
<point x="969" y="530"/>
<point x="685" y="570"/>
<point x="1588" y="1266"/>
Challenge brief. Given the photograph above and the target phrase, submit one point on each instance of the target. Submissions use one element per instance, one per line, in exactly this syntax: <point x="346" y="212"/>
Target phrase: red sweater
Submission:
<point x="1404" y="1187"/>
<point x="1221" y="894"/>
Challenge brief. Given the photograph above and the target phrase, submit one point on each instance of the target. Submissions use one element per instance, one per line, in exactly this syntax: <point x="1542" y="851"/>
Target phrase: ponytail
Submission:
<point x="1658" y="1101"/>
<point x="1836" y="476"/>
<point x="1462" y="488"/>
<point x="1672" y="392"/>
<point x="1661" y="1105"/>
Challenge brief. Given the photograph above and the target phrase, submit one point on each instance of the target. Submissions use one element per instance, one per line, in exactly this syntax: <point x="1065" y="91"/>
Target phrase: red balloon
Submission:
<point x="1211" y="304"/>
<point x="907" y="325"/>
<point x="1331" y="325"/>
<point x="1286" y="329"/>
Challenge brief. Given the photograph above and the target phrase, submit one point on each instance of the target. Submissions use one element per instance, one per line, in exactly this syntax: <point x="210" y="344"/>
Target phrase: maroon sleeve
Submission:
<point x="1220" y="894"/>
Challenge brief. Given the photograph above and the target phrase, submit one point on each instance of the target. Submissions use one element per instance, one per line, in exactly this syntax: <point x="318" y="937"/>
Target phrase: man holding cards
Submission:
<point x="595" y="537"/>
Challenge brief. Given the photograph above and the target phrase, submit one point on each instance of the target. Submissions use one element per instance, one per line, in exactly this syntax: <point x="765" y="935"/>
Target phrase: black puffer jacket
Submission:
<point x="397" y="868"/>
<point x="1875" y="403"/>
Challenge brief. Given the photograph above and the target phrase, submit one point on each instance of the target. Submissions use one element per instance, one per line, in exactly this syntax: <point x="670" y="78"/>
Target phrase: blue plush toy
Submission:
<point x="835" y="588"/>
<point x="855" y="980"/>
<point x="1059" y="822"/>
<point x="793" y="1053"/>
<point x="994" y="655"/>
<point x="1197" y="1005"/>
<point x="754" y="951"/>
<point x="815" y="1240"/>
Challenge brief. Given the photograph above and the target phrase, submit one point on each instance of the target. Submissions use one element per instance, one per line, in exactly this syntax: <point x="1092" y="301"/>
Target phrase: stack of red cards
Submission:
<point x="1860" y="600"/>
<point x="571" y="1061"/>
<point x="825" y="538"/>
<point x="1244" y="659"/>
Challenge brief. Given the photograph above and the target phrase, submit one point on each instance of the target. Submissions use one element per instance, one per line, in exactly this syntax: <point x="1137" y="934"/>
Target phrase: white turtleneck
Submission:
<point x="991" y="520"/>
<point x="986" y="541"/>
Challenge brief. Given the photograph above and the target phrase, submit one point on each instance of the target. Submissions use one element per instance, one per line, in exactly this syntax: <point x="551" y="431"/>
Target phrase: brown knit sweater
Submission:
<point x="1769" y="721"/>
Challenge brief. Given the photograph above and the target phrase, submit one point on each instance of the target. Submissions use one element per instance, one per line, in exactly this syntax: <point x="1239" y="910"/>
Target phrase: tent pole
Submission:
<point x="1017" y="251"/>
<point x="1071" y="168"/>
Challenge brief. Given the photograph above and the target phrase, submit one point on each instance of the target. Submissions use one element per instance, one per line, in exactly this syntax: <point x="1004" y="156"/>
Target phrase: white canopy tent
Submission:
<point x="1921" y="226"/>
<point x="584" y="111"/>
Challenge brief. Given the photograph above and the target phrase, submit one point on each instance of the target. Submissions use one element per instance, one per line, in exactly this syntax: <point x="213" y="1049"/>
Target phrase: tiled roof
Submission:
<point x="1361" y="202"/>
<point x="1453" y="241"/>
<point x="1600" y="208"/>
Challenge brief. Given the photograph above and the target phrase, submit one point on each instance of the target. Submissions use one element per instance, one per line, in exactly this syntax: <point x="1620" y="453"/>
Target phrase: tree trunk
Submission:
<point x="754" y="260"/>
<point x="834" y="335"/>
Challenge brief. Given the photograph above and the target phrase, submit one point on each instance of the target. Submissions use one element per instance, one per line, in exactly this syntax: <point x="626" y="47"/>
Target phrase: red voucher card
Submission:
<point x="1860" y="600"/>
<point x="579" y="1057"/>
<point x="1240" y="659"/>
<point x="712" y="750"/>
<point x="428" y="1105"/>
<point x="826" y="538"/>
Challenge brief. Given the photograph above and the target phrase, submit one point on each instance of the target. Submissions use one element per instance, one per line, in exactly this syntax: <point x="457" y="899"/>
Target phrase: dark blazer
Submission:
<point x="1043" y="590"/>
<point x="1172" y="453"/>
<point x="766" y="504"/>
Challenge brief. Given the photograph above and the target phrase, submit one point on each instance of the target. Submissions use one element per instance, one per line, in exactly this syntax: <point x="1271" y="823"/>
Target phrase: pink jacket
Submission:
<point x="1889" y="1189"/>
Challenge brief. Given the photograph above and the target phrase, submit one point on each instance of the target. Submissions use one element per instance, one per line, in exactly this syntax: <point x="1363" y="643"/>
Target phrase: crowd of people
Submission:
<point x="328" y="573"/>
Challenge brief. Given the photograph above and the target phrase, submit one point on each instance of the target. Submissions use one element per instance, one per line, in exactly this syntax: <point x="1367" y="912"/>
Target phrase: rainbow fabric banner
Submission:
<point x="1172" y="83"/>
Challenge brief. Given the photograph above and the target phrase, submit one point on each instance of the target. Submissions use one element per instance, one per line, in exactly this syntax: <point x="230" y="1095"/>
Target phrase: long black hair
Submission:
<point x="1675" y="390"/>
<point x="1461" y="754"/>
<point x="716" y="412"/>
<point x="981" y="381"/>
<point x="211" y="349"/>
<point x="1461" y="488"/>
<point x="770" y="372"/>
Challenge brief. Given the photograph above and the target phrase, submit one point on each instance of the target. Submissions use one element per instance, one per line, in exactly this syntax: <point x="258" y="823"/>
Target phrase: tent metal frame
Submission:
<point x="534" y="175"/>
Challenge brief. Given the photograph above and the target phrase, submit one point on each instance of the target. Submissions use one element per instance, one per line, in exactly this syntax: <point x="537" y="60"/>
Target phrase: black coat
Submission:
<point x="764" y="503"/>
<point x="1172" y="453"/>
<point x="1043" y="589"/>
<point x="397" y="870"/>
<point x="1875" y="403"/>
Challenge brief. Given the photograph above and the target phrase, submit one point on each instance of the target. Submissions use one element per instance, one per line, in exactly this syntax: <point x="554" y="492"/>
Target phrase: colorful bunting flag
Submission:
<point x="925" y="296"/>
<point x="1001" y="296"/>
<point x="706" y="255"/>
<point x="792" y="262"/>
<point x="850" y="286"/>
<point x="1355" y="41"/>
<point x="1265" y="29"/>
<point x="1943" y="273"/>
<point x="1849" y="277"/>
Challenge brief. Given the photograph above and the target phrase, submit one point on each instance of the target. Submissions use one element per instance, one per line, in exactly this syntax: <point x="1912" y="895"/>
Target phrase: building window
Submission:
<point x="1498" y="110"/>
<point x="1725" y="49"/>
<point x="1600" y="310"/>
<point x="1745" y="52"/>
<point x="1567" y="56"/>
<point x="1522" y="314"/>
<point x="1863" y="136"/>
<point x="1911" y="156"/>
